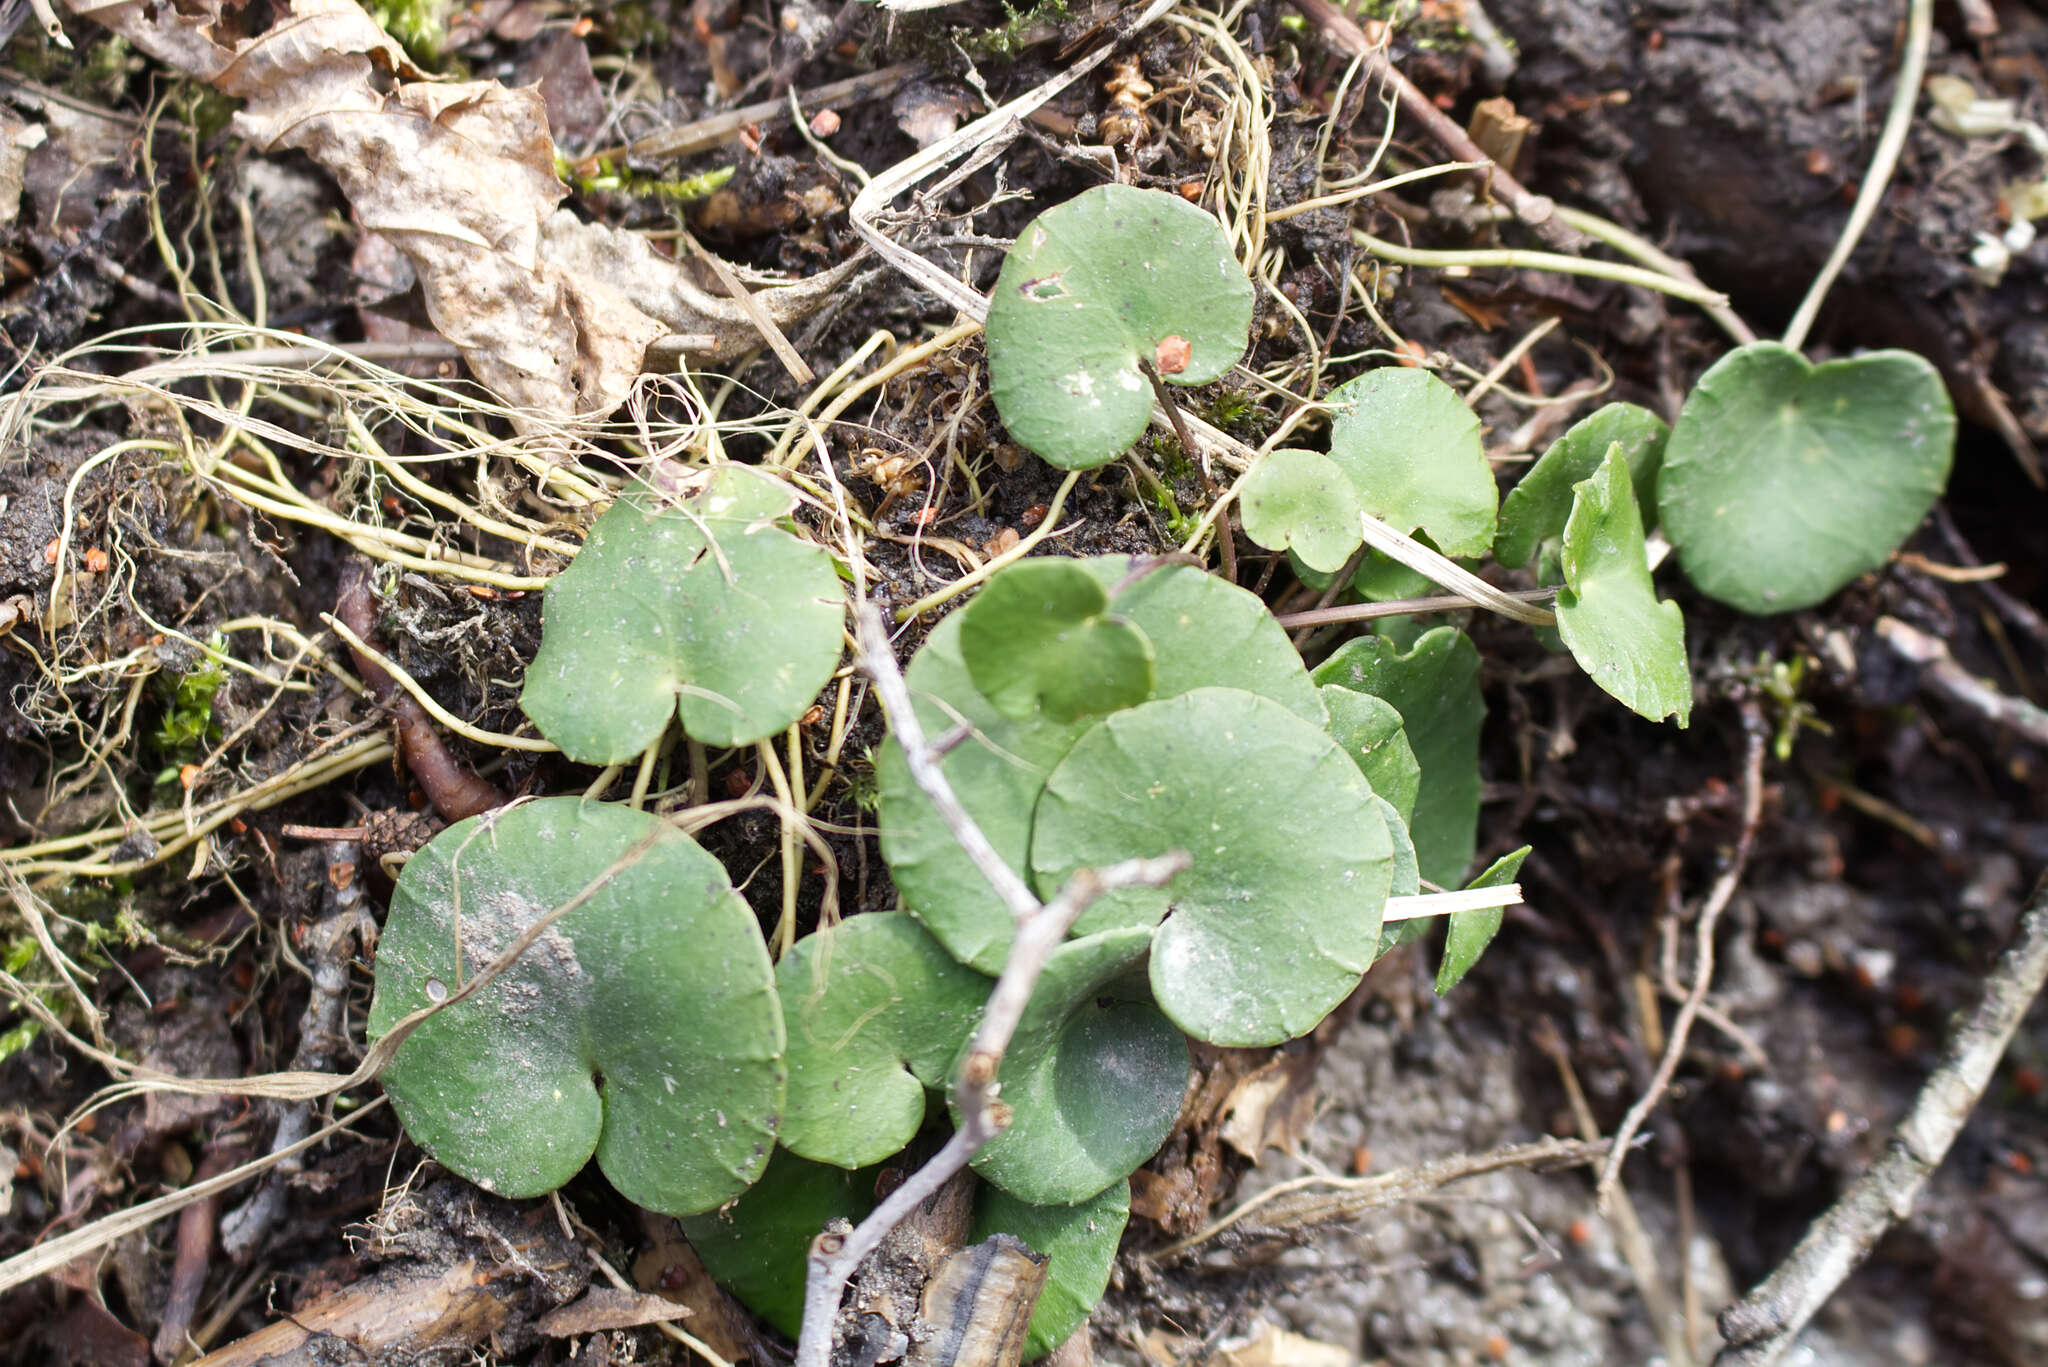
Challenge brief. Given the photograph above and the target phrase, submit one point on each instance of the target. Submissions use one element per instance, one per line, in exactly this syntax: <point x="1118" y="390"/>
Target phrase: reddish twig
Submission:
<point x="455" y="791"/>
<point x="1536" y="210"/>
<point x="194" y="1257"/>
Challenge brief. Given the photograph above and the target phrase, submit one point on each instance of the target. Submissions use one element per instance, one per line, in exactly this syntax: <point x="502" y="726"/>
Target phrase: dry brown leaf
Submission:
<point x="1268" y="1345"/>
<point x="603" y="1308"/>
<point x="460" y="177"/>
<point x="1272" y="1108"/>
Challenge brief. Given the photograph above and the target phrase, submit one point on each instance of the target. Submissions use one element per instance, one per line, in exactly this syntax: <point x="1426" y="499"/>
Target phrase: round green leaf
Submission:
<point x="1080" y="1244"/>
<point x="1536" y="509"/>
<point x="1435" y="687"/>
<point x="708" y="609"/>
<point x="1203" y="631"/>
<point x="1303" y="502"/>
<point x="759" y="1246"/>
<point x="876" y="1010"/>
<point x="1369" y="731"/>
<point x="1280" y="914"/>
<point x="1407" y="882"/>
<point x="1783" y="480"/>
<point x="1111" y="278"/>
<point x="1040" y="636"/>
<point x="657" y="983"/>
<point x="1608" y="611"/>
<point x="1411" y="448"/>
<point x="1094" y="1076"/>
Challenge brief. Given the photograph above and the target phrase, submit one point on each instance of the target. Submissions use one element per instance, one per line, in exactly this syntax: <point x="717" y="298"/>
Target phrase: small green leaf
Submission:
<point x="708" y="609"/>
<point x="1040" y="636"/>
<point x="1407" y="882"/>
<point x="1535" y="510"/>
<point x="1411" y="447"/>
<point x="1369" y="730"/>
<point x="1094" y="1076"/>
<point x="1203" y="631"/>
<point x="1608" y="611"/>
<point x="876" y="1010"/>
<point x="1303" y="502"/>
<point x="1114" y="277"/>
<point x="758" y="1246"/>
<point x="1280" y="914"/>
<point x="1435" y="687"/>
<point x="1472" y="931"/>
<point x="657" y="983"/>
<point x="1783" y="480"/>
<point x="1080" y="1243"/>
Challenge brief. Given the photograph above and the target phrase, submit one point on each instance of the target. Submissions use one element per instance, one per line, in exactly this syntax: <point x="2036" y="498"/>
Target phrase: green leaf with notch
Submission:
<point x="1203" y="631"/>
<point x="1608" y="612"/>
<point x="1784" y="480"/>
<point x="876" y="1010"/>
<point x="1278" y="918"/>
<point x="1094" y="1076"/>
<point x="1435" y="687"/>
<point x="758" y="1246"/>
<point x="642" y="1025"/>
<point x="1537" y="508"/>
<point x="1302" y="501"/>
<point x="1111" y="280"/>
<point x="1080" y="1243"/>
<point x="1411" y="448"/>
<point x="1472" y="931"/>
<point x="708" y="609"/>
<point x="1040" y="636"/>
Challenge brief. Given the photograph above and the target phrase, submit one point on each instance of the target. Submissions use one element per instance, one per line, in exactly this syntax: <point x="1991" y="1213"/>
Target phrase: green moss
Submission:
<point x="606" y="177"/>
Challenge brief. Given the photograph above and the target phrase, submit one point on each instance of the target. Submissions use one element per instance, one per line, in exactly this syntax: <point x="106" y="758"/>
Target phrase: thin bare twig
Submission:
<point x="1040" y="928"/>
<point x="1755" y="733"/>
<point x="1342" y="33"/>
<point x="1942" y="674"/>
<point x="1762" y="1325"/>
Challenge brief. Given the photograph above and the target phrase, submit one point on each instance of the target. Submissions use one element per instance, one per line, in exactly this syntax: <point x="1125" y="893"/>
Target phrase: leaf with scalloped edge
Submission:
<point x="641" y="1026"/>
<point x="1411" y="448"/>
<point x="1113" y="279"/>
<point x="1783" y="480"/>
<point x="1301" y="501"/>
<point x="1279" y="915"/>
<point x="1370" y="732"/>
<point x="875" y="1010"/>
<point x="1203" y="631"/>
<point x="1094" y="1076"/>
<point x="705" y="609"/>
<point x="1040" y="636"/>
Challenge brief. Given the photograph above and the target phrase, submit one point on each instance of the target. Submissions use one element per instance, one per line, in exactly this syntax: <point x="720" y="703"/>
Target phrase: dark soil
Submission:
<point x="1900" y="833"/>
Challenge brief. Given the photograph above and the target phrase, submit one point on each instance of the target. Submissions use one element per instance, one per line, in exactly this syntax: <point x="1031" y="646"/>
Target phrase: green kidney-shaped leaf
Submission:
<point x="657" y="983"/>
<point x="1472" y="931"/>
<point x="1080" y="1244"/>
<point x="759" y="1246"/>
<point x="1608" y="612"/>
<point x="1536" y="509"/>
<point x="1783" y="480"/>
<point x="1369" y="731"/>
<point x="1411" y="448"/>
<point x="1435" y="687"/>
<point x="1279" y="915"/>
<point x="1094" y="1076"/>
<point x="1040" y="636"/>
<point x="1111" y="278"/>
<point x="1303" y="502"/>
<point x="708" y="609"/>
<point x="876" y="1010"/>
<point x="1203" y="631"/>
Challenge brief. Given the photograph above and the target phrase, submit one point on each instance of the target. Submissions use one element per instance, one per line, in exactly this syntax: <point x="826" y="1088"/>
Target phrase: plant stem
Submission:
<point x="1509" y="257"/>
<point x="1898" y="122"/>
